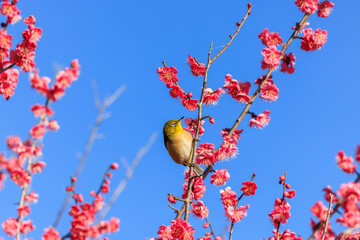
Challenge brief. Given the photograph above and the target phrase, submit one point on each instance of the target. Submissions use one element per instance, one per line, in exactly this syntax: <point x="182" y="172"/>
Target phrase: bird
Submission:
<point x="178" y="143"/>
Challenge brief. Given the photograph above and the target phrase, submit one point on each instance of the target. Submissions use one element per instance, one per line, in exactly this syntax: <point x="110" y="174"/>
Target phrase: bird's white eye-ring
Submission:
<point x="173" y="124"/>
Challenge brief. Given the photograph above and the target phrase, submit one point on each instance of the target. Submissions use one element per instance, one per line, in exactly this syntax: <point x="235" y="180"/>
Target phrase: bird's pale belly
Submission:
<point x="179" y="150"/>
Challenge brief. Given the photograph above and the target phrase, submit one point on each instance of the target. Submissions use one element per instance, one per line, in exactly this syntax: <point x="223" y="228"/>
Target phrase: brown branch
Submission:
<point x="253" y="115"/>
<point x="185" y="207"/>
<point x="177" y="198"/>
<point x="205" y="117"/>
<point x="103" y="181"/>
<point x="327" y="218"/>
<point x="237" y="203"/>
<point x="6" y="68"/>
<point x="282" y="203"/>
<point x="175" y="209"/>
<point x="234" y="35"/>
<point x="257" y="92"/>
<point x="100" y="118"/>
<point x="197" y="61"/>
<point x="28" y="169"/>
<point x="211" y="228"/>
<point x="68" y="235"/>
<point x="335" y="209"/>
<point x="196" y="138"/>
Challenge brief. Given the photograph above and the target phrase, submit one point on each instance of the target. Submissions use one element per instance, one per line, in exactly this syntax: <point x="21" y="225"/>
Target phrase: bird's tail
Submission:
<point x="198" y="170"/>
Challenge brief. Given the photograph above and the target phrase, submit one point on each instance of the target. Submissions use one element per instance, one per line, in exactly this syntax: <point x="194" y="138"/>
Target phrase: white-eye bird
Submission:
<point x="178" y="142"/>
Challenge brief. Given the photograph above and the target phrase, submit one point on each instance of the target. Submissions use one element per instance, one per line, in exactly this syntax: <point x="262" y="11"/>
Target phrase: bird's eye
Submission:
<point x="173" y="124"/>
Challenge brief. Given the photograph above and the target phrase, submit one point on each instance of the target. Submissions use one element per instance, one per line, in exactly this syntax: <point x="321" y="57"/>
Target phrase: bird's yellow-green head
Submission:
<point x="172" y="127"/>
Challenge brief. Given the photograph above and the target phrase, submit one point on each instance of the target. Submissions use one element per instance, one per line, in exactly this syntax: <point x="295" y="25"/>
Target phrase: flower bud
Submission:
<point x="171" y="199"/>
<point x="211" y="120"/>
<point x="114" y="166"/>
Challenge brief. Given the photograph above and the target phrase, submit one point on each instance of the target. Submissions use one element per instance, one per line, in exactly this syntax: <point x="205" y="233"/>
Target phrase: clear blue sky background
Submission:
<point x="123" y="42"/>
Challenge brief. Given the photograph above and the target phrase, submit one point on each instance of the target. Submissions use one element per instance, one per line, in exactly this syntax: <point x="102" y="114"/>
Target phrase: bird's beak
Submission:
<point x="180" y="120"/>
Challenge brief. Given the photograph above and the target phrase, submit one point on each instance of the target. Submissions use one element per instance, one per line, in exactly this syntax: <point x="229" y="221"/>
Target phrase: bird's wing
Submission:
<point x="166" y="140"/>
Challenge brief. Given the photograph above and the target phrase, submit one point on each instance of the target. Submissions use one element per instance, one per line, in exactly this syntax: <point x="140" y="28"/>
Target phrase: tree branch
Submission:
<point x="185" y="207"/>
<point x="233" y="36"/>
<point x="257" y="92"/>
<point x="129" y="172"/>
<point x="327" y="218"/>
<point x="336" y="207"/>
<point x="101" y="116"/>
<point x="28" y="169"/>
<point x="211" y="228"/>
<point x="237" y="203"/>
<point x="282" y="203"/>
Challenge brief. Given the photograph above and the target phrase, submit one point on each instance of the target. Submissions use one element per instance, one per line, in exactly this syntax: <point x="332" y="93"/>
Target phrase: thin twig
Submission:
<point x="129" y="172"/>
<point x="101" y="116"/>
<point x="196" y="139"/>
<point x="282" y="203"/>
<point x="327" y="218"/>
<point x="257" y="92"/>
<point x="233" y="36"/>
<point x="253" y="115"/>
<point x="211" y="228"/>
<point x="237" y="203"/>
<point x="6" y="68"/>
<point x="175" y="209"/>
<point x="177" y="84"/>
<point x="103" y="181"/>
<point x="185" y="207"/>
<point x="335" y="209"/>
<point x="28" y="169"/>
<point x="177" y="198"/>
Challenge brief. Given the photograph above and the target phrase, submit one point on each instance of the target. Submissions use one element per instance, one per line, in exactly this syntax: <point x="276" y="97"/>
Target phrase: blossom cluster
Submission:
<point x="10" y="10"/>
<point x="281" y="211"/>
<point x="198" y="69"/>
<point x="206" y="153"/>
<point x="211" y="97"/>
<point x="347" y="198"/>
<point x="179" y="229"/>
<point x="286" y="235"/>
<point x="83" y="213"/>
<point x="260" y="120"/>
<point x="310" y="6"/>
<point x="169" y="76"/>
<point x="219" y="177"/>
<point x="238" y="90"/>
<point x="198" y="187"/>
<point x="199" y="209"/>
<point x="313" y="40"/>
<point x="346" y="163"/>
<point x="63" y="78"/>
<point x="192" y="124"/>
<point x="229" y="200"/>
<point x="269" y="92"/>
<point x="23" y="163"/>
<point x="24" y="53"/>
<point x="273" y="57"/>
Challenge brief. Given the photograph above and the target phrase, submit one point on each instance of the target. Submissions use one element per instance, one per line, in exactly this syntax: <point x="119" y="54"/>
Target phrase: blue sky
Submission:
<point x="123" y="42"/>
